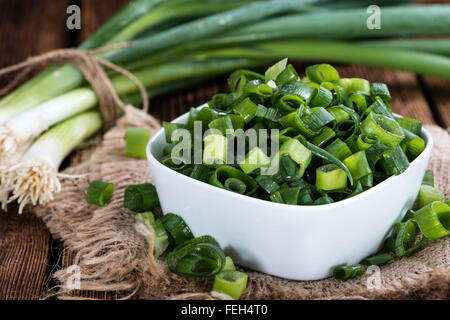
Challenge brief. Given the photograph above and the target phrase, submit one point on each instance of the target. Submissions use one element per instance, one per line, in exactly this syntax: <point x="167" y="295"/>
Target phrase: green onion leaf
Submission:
<point x="344" y="273"/>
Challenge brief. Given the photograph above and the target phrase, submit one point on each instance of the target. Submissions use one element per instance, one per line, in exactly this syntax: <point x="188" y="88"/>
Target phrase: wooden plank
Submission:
<point x="25" y="243"/>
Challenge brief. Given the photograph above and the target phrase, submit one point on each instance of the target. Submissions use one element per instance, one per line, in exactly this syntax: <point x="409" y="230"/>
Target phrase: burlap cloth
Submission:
<point x="113" y="257"/>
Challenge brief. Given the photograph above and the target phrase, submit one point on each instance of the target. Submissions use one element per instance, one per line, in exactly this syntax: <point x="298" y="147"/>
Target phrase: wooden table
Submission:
<point x="28" y="254"/>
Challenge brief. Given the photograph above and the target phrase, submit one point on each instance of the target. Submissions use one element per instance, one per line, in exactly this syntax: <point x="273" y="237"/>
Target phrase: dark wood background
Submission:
<point x="28" y="254"/>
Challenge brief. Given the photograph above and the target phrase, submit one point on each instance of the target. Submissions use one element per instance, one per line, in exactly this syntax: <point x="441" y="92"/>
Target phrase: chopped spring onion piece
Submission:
<point x="255" y="159"/>
<point x="318" y="118"/>
<point x="136" y="140"/>
<point x="380" y="107"/>
<point x="325" y="135"/>
<point x="318" y="152"/>
<point x="348" y="272"/>
<point x="322" y="72"/>
<point x="330" y="177"/>
<point x="352" y="114"/>
<point x="406" y="235"/>
<point x="201" y="172"/>
<point x="428" y="178"/>
<point x="232" y="283"/>
<point x="170" y="128"/>
<point x="365" y="141"/>
<point x="378" y="260"/>
<point x="394" y="161"/>
<point x="177" y="229"/>
<point x="223" y="173"/>
<point x="199" y="257"/>
<point x="274" y="71"/>
<point x="246" y="109"/>
<point x="414" y="144"/>
<point x="427" y="194"/>
<point x="235" y="185"/>
<point x="215" y="149"/>
<point x="297" y="152"/>
<point x="339" y="149"/>
<point x="388" y="130"/>
<point x="412" y="125"/>
<point x="100" y="193"/>
<point x="35" y="178"/>
<point x="140" y="197"/>
<point x="355" y="85"/>
<point x="381" y="90"/>
<point x="229" y="265"/>
<point x="267" y="183"/>
<point x="293" y="120"/>
<point x="433" y="220"/>
<point x="358" y="165"/>
<point x="146" y="225"/>
<point x="289" y="103"/>
<point x="323" y="97"/>
<point x="299" y="89"/>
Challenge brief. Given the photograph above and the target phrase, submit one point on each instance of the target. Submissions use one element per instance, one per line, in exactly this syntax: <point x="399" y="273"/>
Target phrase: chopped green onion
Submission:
<point x="223" y="173"/>
<point x="274" y="71"/>
<point x="412" y="125"/>
<point x="344" y="273"/>
<point x="161" y="238"/>
<point x="428" y="178"/>
<point x="232" y="283"/>
<point x="322" y="72"/>
<point x="381" y="90"/>
<point x="365" y="141"/>
<point x="199" y="257"/>
<point x="141" y="197"/>
<point x="177" y="229"/>
<point x="255" y="159"/>
<point x="136" y="140"/>
<point x="406" y="235"/>
<point x="355" y="85"/>
<point x="229" y="265"/>
<point x="246" y="109"/>
<point x="267" y="183"/>
<point x="200" y="172"/>
<point x="215" y="149"/>
<point x="339" y="149"/>
<point x="427" y="194"/>
<point x="394" y="161"/>
<point x="100" y="193"/>
<point x="357" y="165"/>
<point x="388" y="130"/>
<point x="235" y="185"/>
<point x="330" y="177"/>
<point x="378" y="260"/>
<point x="433" y="220"/>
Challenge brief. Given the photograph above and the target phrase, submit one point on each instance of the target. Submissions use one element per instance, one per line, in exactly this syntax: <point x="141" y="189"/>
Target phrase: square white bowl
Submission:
<point x="289" y="241"/>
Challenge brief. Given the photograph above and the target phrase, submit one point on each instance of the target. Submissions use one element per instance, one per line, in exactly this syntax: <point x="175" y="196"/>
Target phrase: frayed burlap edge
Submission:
<point x="113" y="258"/>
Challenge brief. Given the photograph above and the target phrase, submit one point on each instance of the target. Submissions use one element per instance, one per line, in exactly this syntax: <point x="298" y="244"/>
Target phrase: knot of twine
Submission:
<point x="92" y="69"/>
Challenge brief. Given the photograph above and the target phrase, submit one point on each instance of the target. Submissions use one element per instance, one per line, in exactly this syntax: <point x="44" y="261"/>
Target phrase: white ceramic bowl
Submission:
<point x="294" y="242"/>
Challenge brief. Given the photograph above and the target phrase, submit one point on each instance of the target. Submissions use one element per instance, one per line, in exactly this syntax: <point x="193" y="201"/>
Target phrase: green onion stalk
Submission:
<point x="130" y="22"/>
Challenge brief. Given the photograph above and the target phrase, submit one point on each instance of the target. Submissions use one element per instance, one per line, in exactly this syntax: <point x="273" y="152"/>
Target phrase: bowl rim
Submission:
<point x="349" y="201"/>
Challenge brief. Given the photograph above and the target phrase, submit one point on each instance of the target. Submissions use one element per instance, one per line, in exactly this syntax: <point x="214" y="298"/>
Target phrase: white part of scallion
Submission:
<point x="35" y="179"/>
<point x="30" y="124"/>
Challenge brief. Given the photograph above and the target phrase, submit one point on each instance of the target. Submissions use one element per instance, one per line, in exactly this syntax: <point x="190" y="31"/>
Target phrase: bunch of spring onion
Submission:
<point x="177" y="42"/>
<point x="337" y="136"/>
